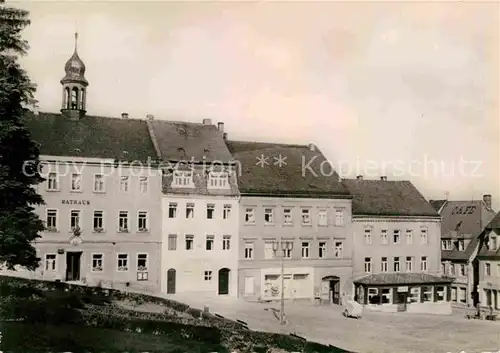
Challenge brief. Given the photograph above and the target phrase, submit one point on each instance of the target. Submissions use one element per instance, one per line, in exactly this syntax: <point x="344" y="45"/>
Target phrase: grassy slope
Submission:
<point x="175" y="328"/>
<point x="19" y="337"/>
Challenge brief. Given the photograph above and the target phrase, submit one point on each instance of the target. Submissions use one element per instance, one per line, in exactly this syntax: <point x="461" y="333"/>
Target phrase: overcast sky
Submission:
<point x="405" y="84"/>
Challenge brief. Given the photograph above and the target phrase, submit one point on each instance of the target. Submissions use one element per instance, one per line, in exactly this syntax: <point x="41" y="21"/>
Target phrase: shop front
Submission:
<point x="405" y="292"/>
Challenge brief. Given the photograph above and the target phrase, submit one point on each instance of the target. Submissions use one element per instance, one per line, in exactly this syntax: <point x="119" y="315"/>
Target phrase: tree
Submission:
<point x="19" y="154"/>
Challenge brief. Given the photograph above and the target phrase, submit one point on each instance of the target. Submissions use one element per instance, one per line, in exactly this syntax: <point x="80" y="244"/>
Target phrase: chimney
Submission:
<point x="383" y="178"/>
<point x="220" y="126"/>
<point x="207" y="121"/>
<point x="224" y="136"/>
<point x="311" y="146"/>
<point x="487" y="200"/>
<point x="150" y="117"/>
<point x="124" y="115"/>
<point x="359" y="177"/>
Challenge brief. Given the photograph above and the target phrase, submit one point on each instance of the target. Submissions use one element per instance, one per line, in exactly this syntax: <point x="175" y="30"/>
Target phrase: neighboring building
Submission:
<point x="462" y="222"/>
<point x="291" y="193"/>
<point x="102" y="211"/>
<point x="396" y="259"/>
<point x="487" y="264"/>
<point x="200" y="209"/>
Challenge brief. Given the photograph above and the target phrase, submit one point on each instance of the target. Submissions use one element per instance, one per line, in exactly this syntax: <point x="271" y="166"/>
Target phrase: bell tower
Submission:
<point x="74" y="86"/>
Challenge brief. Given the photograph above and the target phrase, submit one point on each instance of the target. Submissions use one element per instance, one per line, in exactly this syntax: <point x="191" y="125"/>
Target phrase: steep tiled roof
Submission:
<point x="437" y="204"/>
<point x="387" y="198"/>
<point x="463" y="219"/>
<point x="184" y="141"/>
<point x="492" y="227"/>
<point x="300" y="173"/>
<point x="402" y="278"/>
<point x="495" y="222"/>
<point x="91" y="136"/>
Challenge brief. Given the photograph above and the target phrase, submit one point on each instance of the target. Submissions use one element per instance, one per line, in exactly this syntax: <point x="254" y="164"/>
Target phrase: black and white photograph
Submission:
<point x="249" y="176"/>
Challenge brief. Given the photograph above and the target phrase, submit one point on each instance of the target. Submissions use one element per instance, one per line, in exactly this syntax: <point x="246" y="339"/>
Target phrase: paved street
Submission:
<point x="375" y="332"/>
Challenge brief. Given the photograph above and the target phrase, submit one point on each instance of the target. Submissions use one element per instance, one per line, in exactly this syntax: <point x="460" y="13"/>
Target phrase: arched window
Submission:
<point x="82" y="99"/>
<point x="66" y="98"/>
<point x="74" y="98"/>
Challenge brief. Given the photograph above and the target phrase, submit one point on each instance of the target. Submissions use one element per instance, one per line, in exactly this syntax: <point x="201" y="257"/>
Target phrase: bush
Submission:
<point x="175" y="331"/>
<point x="40" y="311"/>
<point x="177" y="306"/>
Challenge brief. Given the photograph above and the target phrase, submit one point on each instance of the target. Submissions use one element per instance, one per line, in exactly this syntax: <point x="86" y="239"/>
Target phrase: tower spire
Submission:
<point x="76" y="42"/>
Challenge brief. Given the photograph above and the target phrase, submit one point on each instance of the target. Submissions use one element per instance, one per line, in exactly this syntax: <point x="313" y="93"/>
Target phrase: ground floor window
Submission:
<point x="272" y="289"/>
<point x="440" y="293"/>
<point x="488" y="295"/>
<point x="122" y="265"/>
<point x="414" y="296"/>
<point x="386" y="296"/>
<point x="142" y="267"/>
<point x="373" y="297"/>
<point x="463" y="295"/>
<point x="50" y="262"/>
<point x="454" y="294"/>
<point x="97" y="262"/>
<point x="426" y="294"/>
<point x="208" y="276"/>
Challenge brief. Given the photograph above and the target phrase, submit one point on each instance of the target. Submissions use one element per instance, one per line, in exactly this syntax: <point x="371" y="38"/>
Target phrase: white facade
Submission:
<point x="89" y="194"/>
<point x="186" y="249"/>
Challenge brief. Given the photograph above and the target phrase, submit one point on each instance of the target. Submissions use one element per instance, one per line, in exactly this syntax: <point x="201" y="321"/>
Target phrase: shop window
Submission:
<point x="426" y="294"/>
<point x="386" y="296"/>
<point x="414" y="296"/>
<point x="440" y="293"/>
<point x="373" y="297"/>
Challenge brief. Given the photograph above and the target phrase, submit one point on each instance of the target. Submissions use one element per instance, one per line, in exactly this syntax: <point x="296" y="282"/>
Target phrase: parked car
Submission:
<point x="352" y="309"/>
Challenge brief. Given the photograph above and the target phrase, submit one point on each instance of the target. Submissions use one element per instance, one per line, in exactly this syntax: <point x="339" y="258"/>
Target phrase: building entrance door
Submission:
<point x="73" y="259"/>
<point x="171" y="281"/>
<point x="401" y="298"/>
<point x="224" y="281"/>
<point x="333" y="289"/>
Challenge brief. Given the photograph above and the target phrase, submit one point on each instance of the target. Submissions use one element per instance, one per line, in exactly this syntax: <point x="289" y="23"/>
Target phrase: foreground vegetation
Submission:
<point x="60" y="317"/>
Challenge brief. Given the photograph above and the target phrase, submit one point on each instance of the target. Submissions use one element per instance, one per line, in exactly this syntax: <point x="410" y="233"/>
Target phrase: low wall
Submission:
<point x="146" y="288"/>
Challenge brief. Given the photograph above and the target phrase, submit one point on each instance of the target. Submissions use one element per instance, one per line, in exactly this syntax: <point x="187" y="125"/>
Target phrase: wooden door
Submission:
<point x="224" y="281"/>
<point x="171" y="281"/>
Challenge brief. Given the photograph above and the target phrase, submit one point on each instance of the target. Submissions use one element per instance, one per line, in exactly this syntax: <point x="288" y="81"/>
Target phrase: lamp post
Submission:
<point x="284" y="246"/>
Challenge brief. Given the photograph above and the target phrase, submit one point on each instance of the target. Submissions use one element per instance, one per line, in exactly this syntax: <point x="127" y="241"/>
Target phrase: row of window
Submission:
<point x="305" y="216"/>
<point x="454" y="269"/>
<point x="416" y="295"/>
<point x="447" y="244"/>
<point x="189" y="211"/>
<point x="99" y="184"/>
<point x="52" y="221"/>
<point x="396" y="236"/>
<point x="216" y="180"/>
<point x="487" y="269"/>
<point x="97" y="264"/>
<point x="396" y="264"/>
<point x="461" y="296"/>
<point x="189" y="242"/>
<point x="286" y="252"/>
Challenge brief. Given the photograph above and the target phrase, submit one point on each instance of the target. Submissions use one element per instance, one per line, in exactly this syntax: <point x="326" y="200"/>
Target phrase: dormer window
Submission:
<point x="461" y="245"/>
<point x="446" y="244"/>
<point x="218" y="180"/>
<point x="492" y="243"/>
<point x="182" y="179"/>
